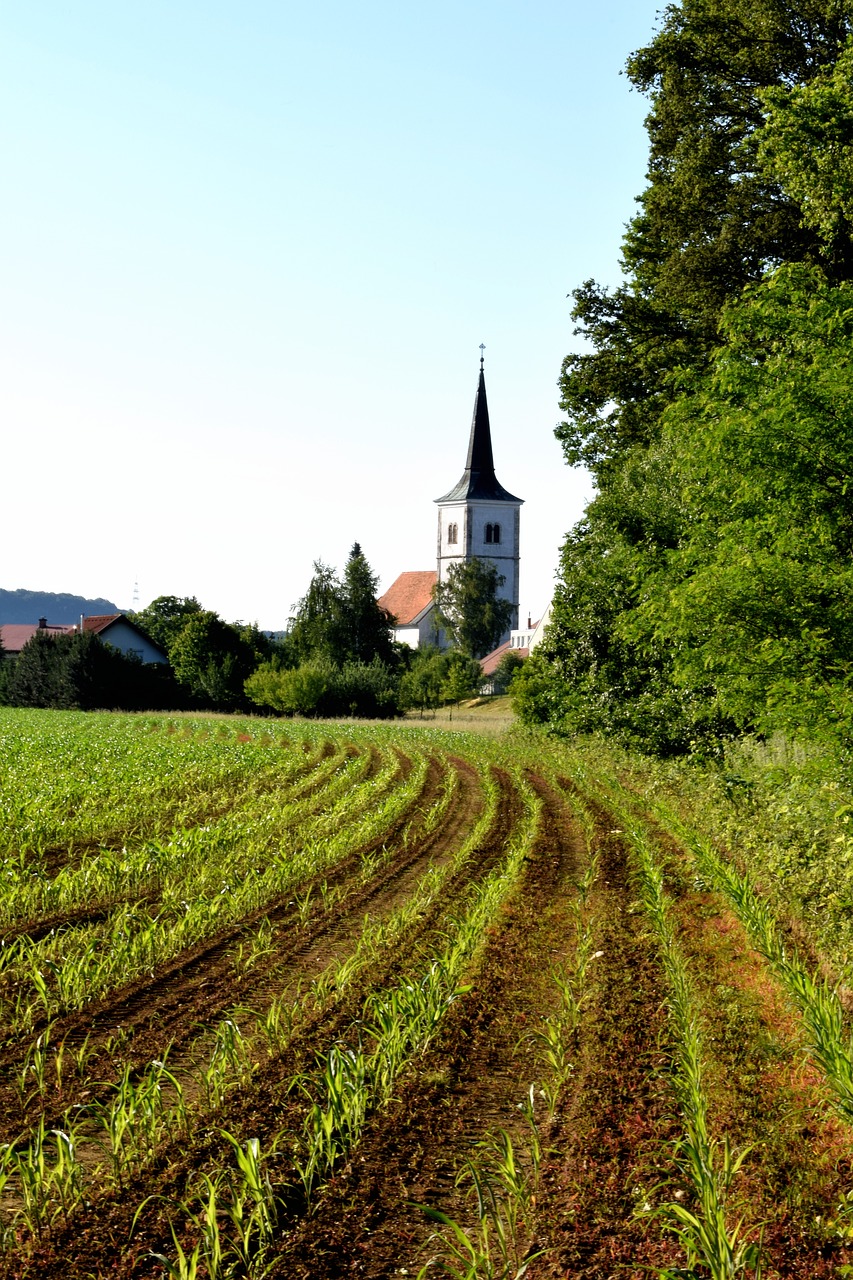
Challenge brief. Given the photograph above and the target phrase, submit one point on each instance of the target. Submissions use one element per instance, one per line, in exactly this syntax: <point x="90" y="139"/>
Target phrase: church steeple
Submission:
<point x="479" y="479"/>
<point x="478" y="518"/>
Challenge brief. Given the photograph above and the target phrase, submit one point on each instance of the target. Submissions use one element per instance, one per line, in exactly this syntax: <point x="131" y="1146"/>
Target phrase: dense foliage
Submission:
<point x="79" y="671"/>
<point x="708" y="589"/>
<point x="340" y="657"/>
<point x="469" y="608"/>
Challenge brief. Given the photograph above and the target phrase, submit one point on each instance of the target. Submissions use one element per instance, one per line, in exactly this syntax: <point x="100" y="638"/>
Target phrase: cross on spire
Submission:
<point x="482" y="349"/>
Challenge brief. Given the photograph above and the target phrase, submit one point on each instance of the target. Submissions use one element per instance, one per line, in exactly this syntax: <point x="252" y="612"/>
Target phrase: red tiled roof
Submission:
<point x="14" y="635"/>
<point x="100" y="621"/>
<point x="409" y="595"/>
<point x="491" y="662"/>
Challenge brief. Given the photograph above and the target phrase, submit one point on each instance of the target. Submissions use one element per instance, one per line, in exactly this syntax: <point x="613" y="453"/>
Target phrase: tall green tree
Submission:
<point x="341" y="619"/>
<point x="80" y="671"/>
<point x="164" y="618"/>
<point x="683" y="610"/>
<point x="212" y="661"/>
<point x="366" y="628"/>
<point x="757" y="598"/>
<point x="806" y="144"/>
<point x="316" y="629"/>
<point x="469" y="608"/>
<point x="711" y="220"/>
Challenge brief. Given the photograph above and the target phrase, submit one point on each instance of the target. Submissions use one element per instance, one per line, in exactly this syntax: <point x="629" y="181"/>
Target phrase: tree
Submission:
<point x="341" y="620"/>
<point x="37" y="678"/>
<point x="468" y="606"/>
<point x="320" y="687"/>
<point x="605" y="672"/>
<point x="506" y="670"/>
<point x="164" y="618"/>
<point x="757" y="598"/>
<point x="711" y="220"/>
<point x="462" y="678"/>
<point x="420" y="685"/>
<point x="295" y="692"/>
<point x="806" y="144"/>
<point x="366" y="628"/>
<point x="79" y="671"/>
<point x="211" y="660"/>
<point x="316" y="628"/>
<point x="684" y="610"/>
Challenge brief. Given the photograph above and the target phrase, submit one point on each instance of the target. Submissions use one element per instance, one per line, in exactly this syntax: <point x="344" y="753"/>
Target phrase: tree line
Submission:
<point x="708" y="591"/>
<point x="338" y="657"/>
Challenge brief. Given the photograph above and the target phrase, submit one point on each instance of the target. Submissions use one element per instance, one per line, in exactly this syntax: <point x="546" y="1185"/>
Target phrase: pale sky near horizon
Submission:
<point x="250" y="254"/>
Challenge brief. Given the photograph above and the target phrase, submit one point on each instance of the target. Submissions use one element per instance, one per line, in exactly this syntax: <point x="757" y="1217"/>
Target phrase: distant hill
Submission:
<point x="57" y="607"/>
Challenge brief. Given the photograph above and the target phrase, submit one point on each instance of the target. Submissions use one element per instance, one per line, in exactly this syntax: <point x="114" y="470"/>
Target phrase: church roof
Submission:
<point x="409" y="595"/>
<point x="478" y="478"/>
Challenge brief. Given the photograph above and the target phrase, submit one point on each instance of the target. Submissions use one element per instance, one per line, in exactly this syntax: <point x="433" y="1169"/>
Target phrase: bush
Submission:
<point x="319" y="688"/>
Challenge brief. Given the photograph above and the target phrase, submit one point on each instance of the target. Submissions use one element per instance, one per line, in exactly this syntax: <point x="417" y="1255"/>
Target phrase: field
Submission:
<point x="310" y="1000"/>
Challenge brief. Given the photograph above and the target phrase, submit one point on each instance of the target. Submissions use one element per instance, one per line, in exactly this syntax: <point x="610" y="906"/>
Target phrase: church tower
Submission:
<point x="478" y="517"/>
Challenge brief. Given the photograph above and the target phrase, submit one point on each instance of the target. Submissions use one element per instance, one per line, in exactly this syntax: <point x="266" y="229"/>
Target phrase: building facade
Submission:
<point x="478" y="518"/>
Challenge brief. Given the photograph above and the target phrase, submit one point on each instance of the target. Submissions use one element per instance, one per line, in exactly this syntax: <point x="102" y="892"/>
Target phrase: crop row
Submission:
<point x="138" y="1112"/>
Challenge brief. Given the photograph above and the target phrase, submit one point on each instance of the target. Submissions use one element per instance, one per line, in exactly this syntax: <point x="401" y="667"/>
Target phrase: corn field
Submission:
<point x="310" y="1000"/>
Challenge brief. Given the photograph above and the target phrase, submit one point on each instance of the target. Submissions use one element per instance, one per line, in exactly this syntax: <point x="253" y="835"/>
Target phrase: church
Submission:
<point x="477" y="518"/>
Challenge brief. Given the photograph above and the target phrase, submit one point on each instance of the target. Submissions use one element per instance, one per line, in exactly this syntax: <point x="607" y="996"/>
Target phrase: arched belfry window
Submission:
<point x="493" y="533"/>
<point x="452" y="533"/>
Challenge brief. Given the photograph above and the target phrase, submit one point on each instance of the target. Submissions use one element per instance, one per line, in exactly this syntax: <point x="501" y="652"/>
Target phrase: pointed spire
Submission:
<point x="479" y="479"/>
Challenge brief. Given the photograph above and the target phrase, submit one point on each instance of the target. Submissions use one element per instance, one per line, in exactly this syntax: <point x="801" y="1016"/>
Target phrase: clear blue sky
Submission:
<point x="250" y="251"/>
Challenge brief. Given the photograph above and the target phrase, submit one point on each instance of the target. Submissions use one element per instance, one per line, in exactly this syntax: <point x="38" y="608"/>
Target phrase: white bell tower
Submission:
<point x="478" y="518"/>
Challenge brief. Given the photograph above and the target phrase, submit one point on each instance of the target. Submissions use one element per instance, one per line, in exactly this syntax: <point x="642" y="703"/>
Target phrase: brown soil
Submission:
<point x="263" y="1107"/>
<point x="197" y="988"/>
<point x="609" y="1151"/>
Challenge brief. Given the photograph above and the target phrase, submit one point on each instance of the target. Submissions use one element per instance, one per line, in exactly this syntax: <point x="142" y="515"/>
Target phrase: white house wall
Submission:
<point x="128" y="641"/>
<point x="471" y="519"/>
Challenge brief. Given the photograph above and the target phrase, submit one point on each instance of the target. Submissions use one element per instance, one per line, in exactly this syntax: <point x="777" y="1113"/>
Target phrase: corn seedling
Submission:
<point x="708" y="1165"/>
<point x="183" y="1266"/>
<point x="254" y="948"/>
<point x="495" y="1249"/>
<point x="303" y="905"/>
<point x="32" y="1075"/>
<point x="49" y="1184"/>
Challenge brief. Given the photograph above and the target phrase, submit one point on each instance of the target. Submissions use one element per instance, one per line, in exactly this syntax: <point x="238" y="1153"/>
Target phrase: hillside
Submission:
<point x="57" y="607"/>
